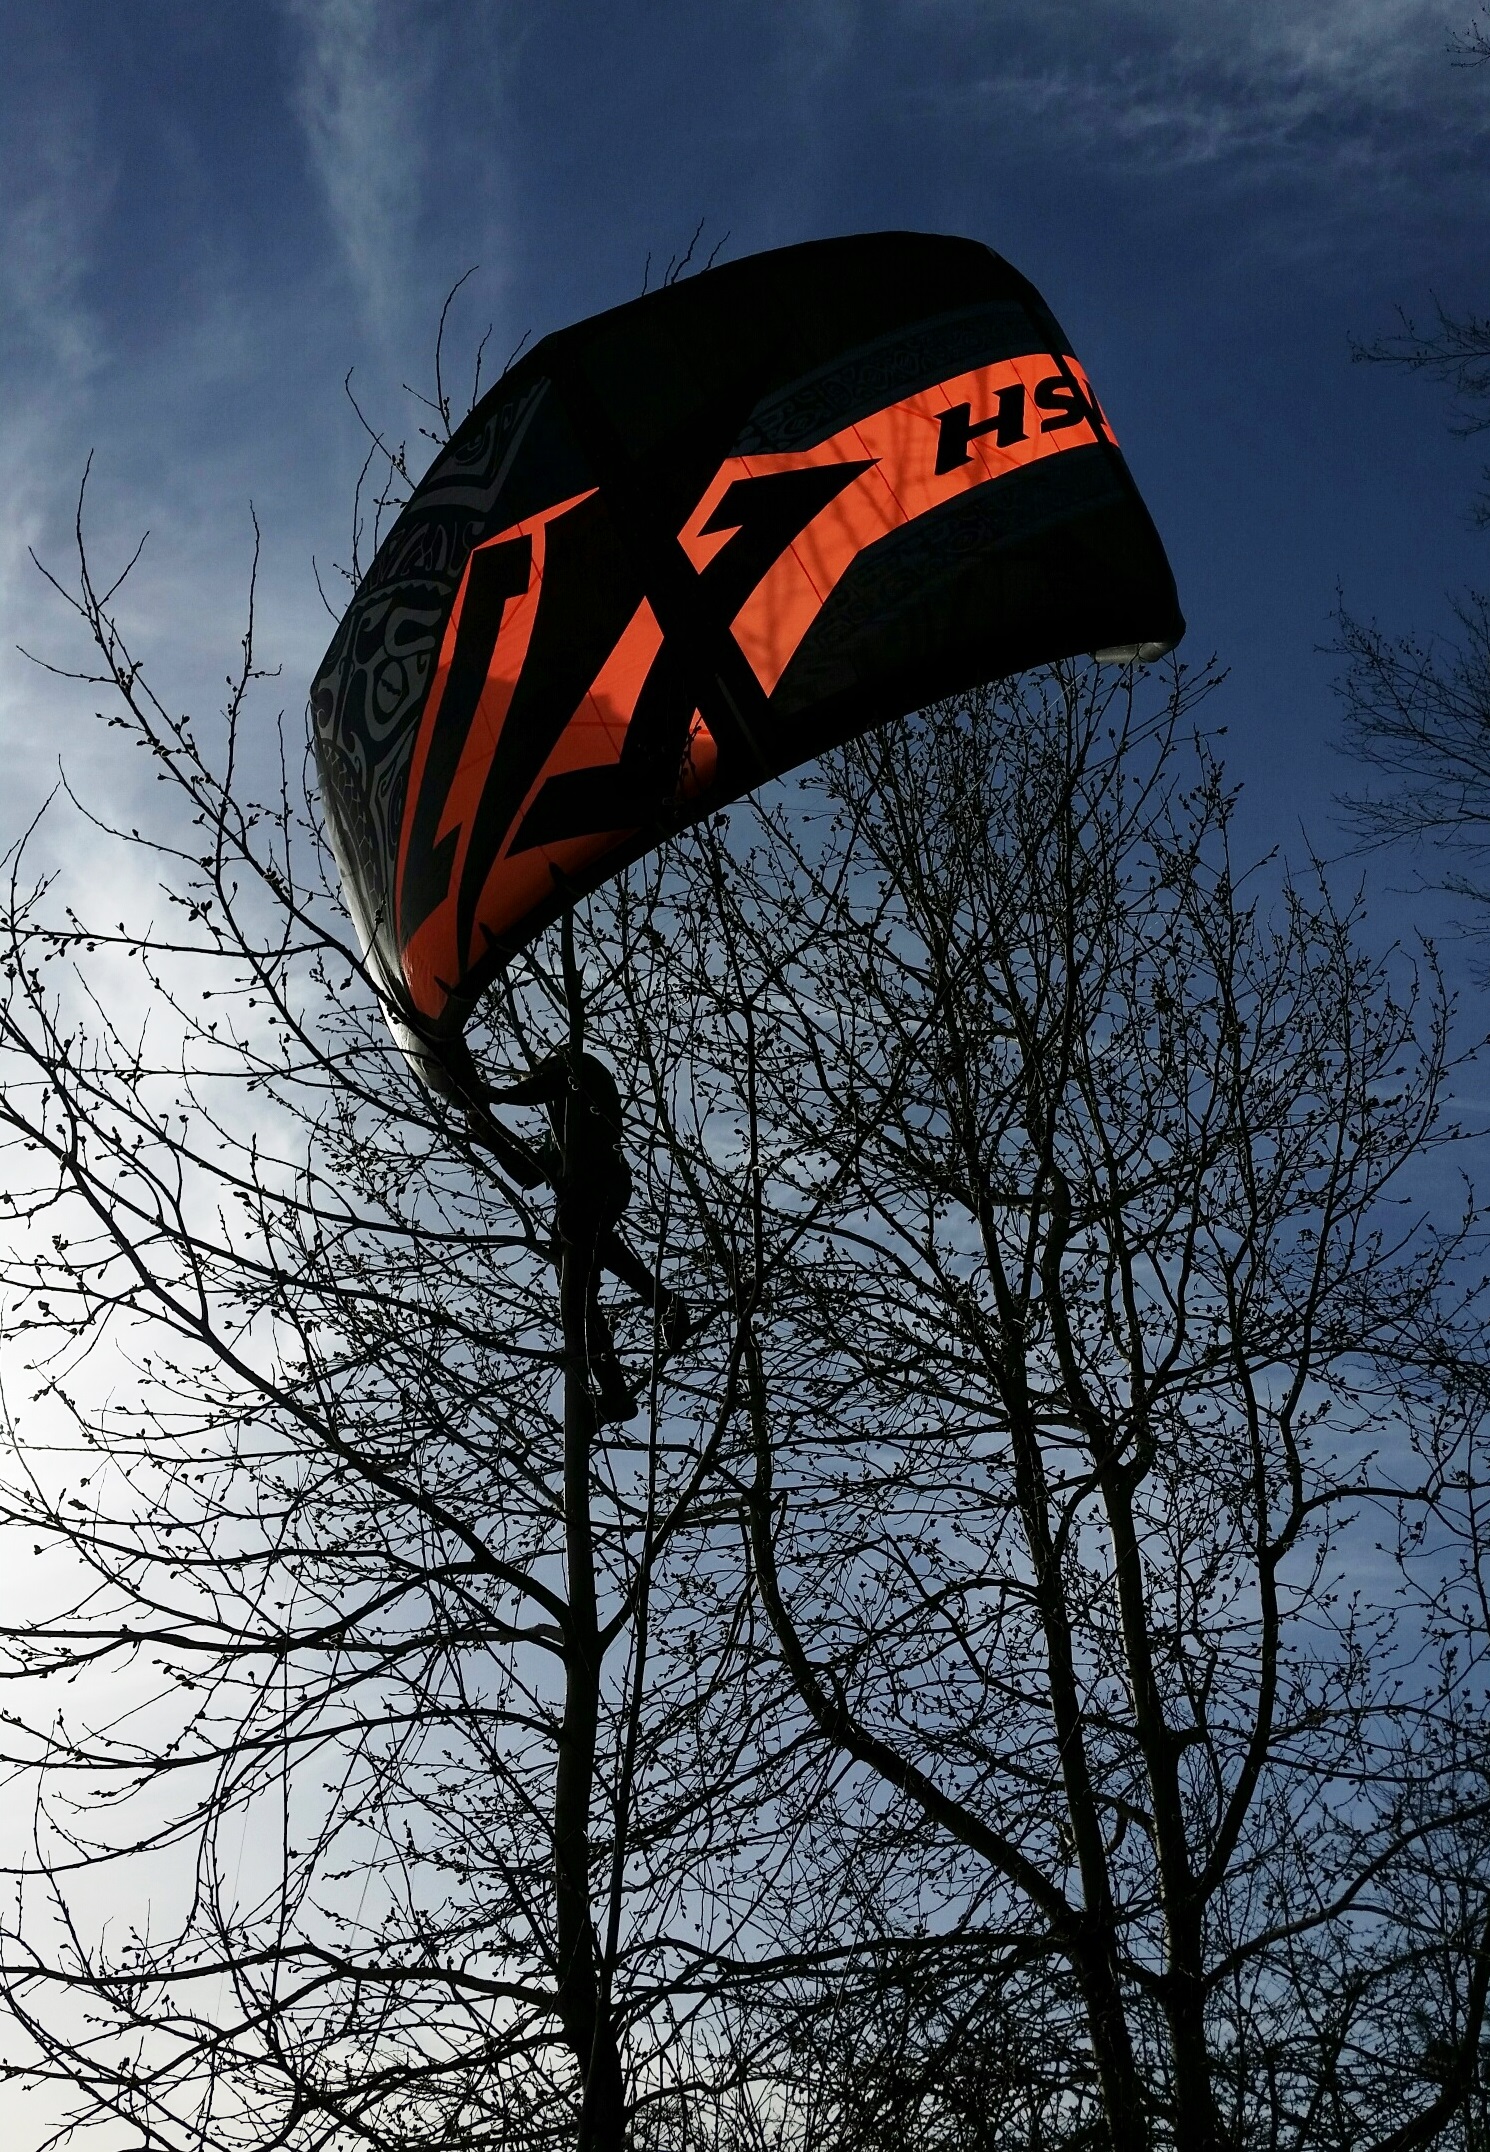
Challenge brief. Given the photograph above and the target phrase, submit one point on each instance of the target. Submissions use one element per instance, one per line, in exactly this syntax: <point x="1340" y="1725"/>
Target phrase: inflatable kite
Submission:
<point x="690" y="543"/>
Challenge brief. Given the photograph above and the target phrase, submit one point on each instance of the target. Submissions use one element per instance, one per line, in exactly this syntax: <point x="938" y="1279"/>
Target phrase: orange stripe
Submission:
<point x="901" y="442"/>
<point x="902" y="439"/>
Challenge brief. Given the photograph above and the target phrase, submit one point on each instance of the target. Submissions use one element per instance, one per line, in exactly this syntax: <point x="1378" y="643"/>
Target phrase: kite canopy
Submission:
<point x="690" y="543"/>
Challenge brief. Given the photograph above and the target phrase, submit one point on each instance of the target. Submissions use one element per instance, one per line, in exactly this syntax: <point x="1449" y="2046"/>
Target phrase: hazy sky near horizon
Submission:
<point x="212" y="213"/>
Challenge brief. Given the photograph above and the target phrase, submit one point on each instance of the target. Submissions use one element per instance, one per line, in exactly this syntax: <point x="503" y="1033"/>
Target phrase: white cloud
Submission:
<point x="46" y="251"/>
<point x="1330" y="83"/>
<point x="1330" y="38"/>
<point x="55" y="193"/>
<point x="360" y="99"/>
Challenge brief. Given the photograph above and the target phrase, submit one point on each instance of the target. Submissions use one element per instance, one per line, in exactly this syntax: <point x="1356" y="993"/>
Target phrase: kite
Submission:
<point x="688" y="544"/>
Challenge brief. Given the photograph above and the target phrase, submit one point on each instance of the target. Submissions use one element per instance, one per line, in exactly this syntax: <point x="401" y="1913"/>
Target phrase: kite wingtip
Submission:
<point x="1133" y="653"/>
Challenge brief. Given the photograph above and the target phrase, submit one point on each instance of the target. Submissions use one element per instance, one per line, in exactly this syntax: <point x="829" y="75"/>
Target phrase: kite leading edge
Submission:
<point x="688" y="544"/>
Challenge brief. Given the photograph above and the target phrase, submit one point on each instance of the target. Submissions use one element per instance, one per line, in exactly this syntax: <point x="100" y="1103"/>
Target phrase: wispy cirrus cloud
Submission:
<point x="54" y="188"/>
<point x="1331" y="85"/>
<point x="361" y="100"/>
<point x="52" y="191"/>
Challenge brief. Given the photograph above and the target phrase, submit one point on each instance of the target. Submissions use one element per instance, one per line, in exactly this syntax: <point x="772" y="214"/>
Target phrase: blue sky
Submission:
<point x="211" y="212"/>
<point x="211" y="209"/>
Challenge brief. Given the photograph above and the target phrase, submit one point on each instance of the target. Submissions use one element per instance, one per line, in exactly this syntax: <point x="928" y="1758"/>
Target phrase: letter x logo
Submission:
<point x="589" y="594"/>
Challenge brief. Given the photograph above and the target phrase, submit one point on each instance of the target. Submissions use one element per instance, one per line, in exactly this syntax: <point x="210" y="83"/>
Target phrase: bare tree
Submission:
<point x="1417" y="709"/>
<point x="378" y="1803"/>
<point x="967" y="1703"/>
<point x="1418" y="713"/>
<point x="1115" y="1506"/>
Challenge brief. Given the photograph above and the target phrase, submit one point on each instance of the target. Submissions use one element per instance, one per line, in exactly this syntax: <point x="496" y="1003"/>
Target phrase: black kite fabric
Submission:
<point x="690" y="543"/>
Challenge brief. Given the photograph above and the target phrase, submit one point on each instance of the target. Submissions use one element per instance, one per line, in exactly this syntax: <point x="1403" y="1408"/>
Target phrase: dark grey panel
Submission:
<point x="821" y="404"/>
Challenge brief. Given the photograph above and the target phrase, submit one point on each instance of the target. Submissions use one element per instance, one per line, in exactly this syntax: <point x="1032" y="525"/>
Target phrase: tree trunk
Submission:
<point x="1197" y="2120"/>
<point x="1123" y="2104"/>
<point x="1095" y="1959"/>
<point x="587" y="2025"/>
